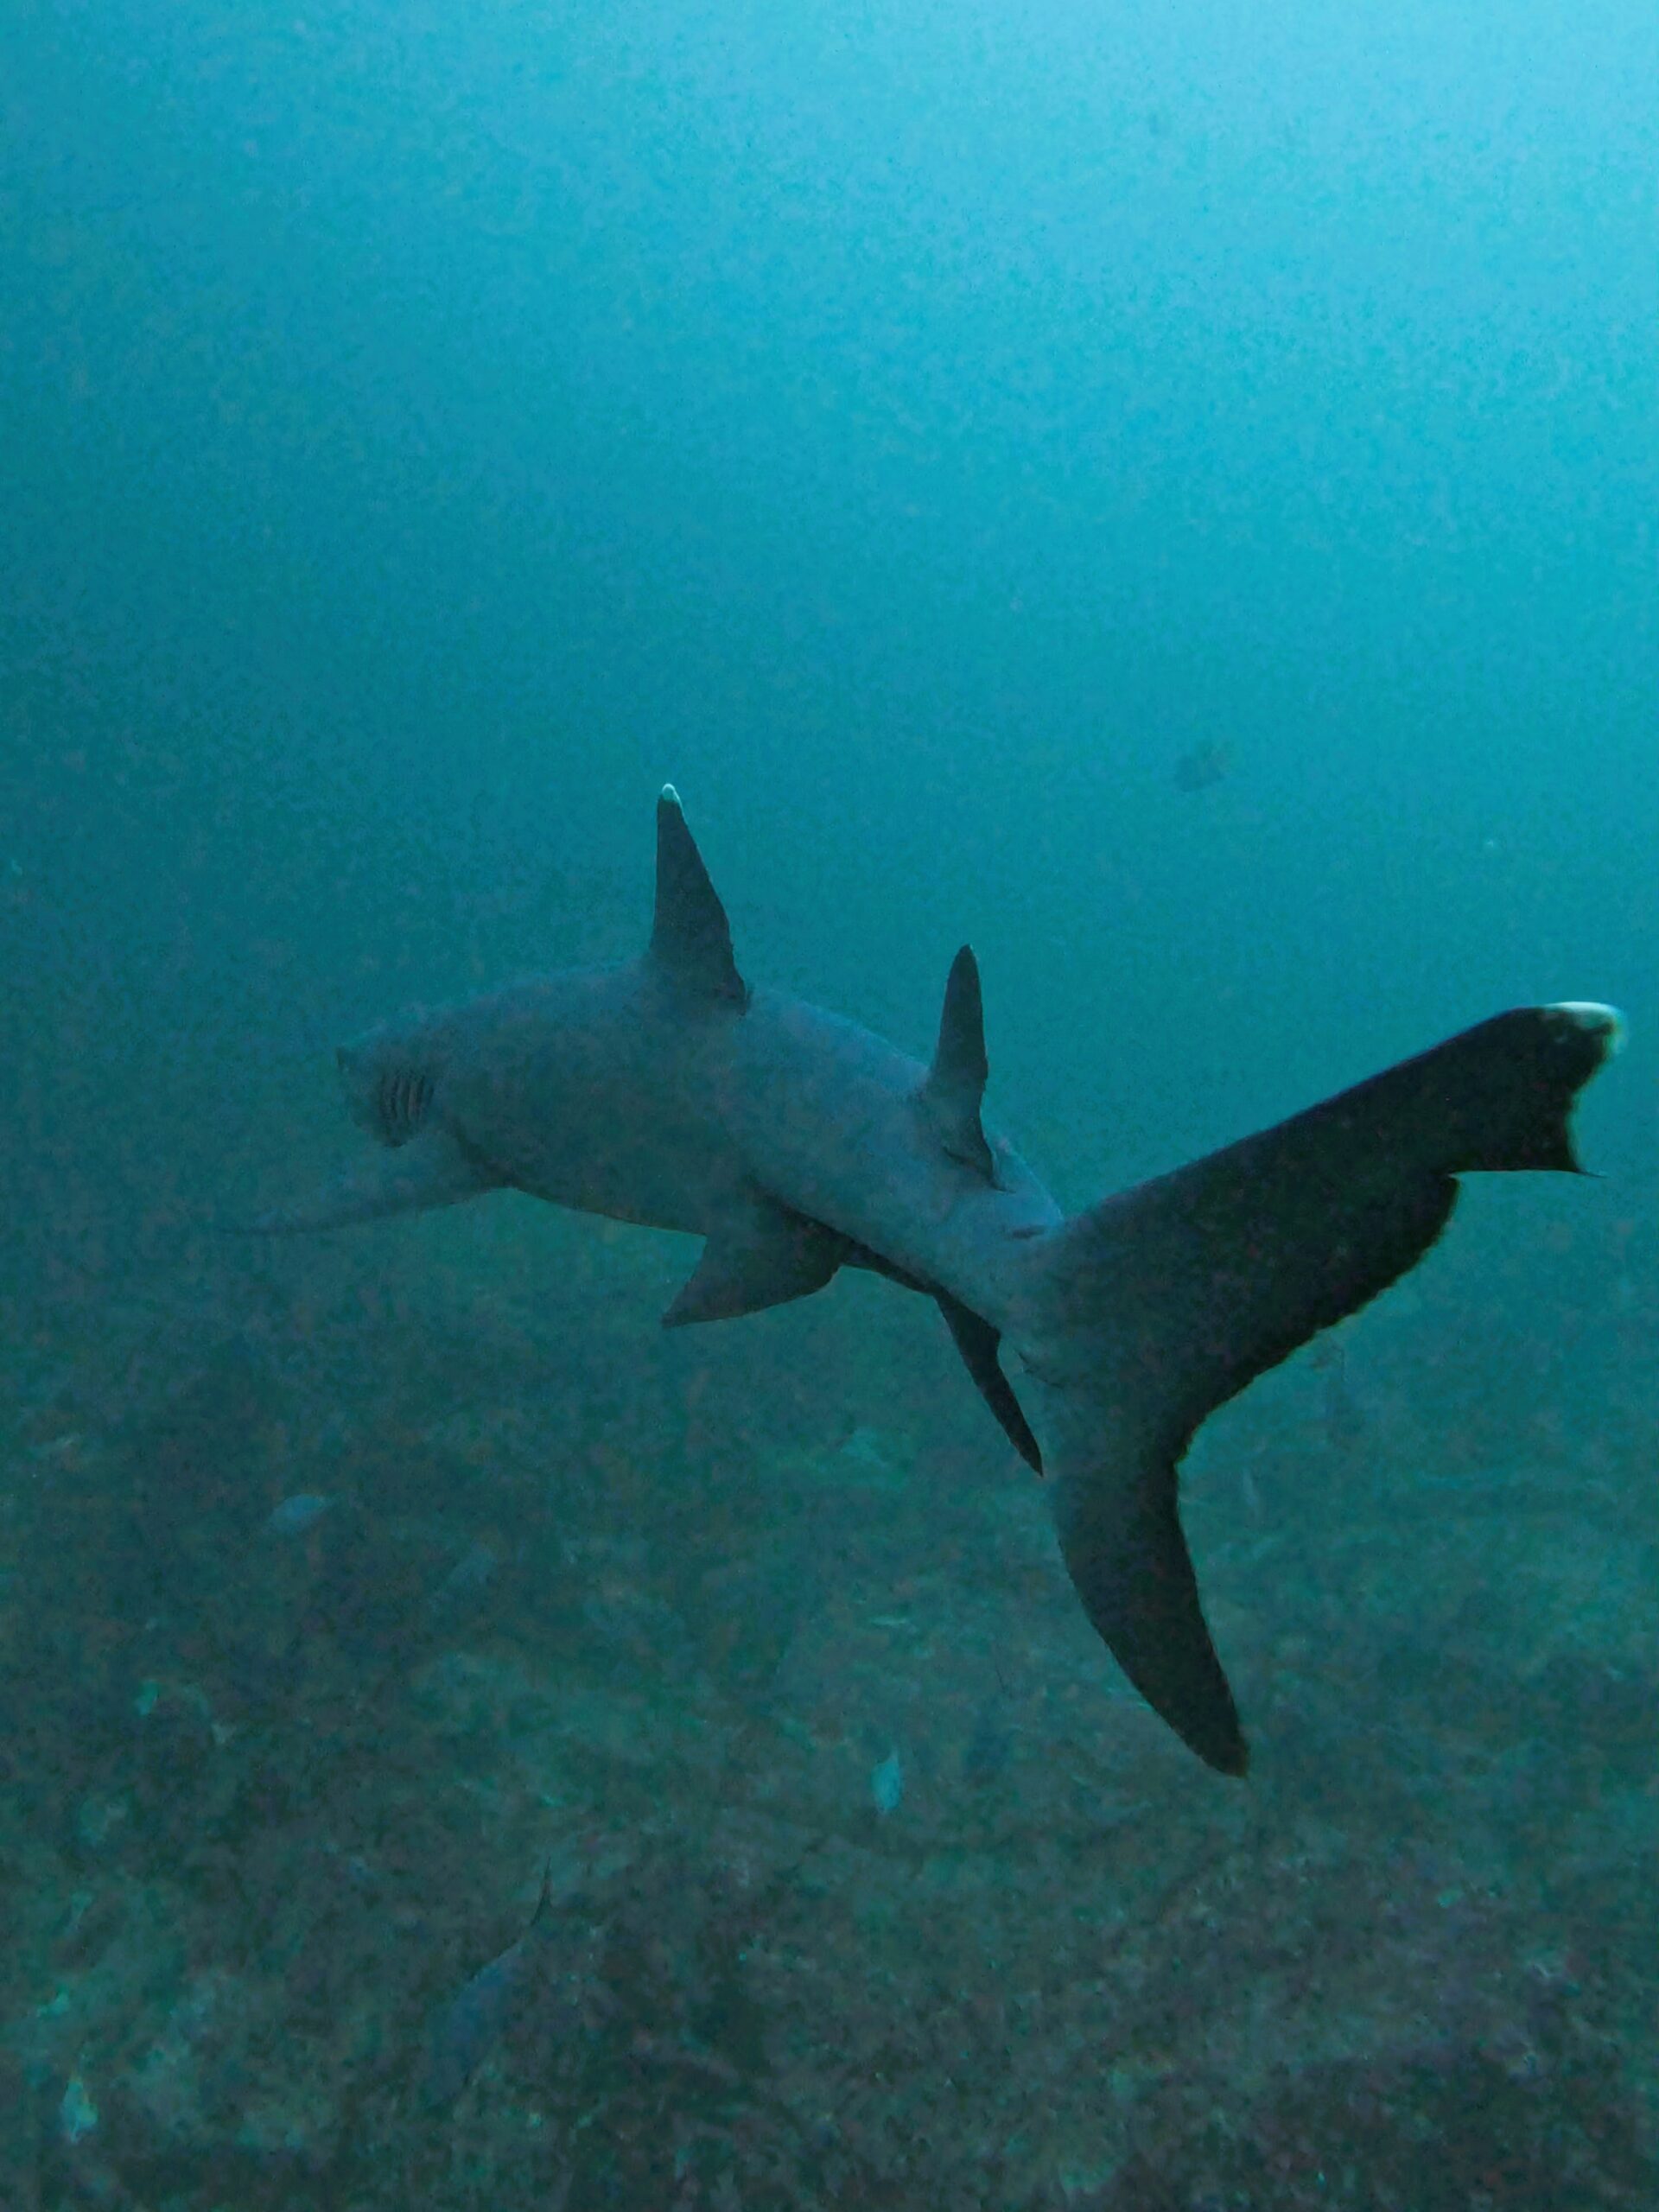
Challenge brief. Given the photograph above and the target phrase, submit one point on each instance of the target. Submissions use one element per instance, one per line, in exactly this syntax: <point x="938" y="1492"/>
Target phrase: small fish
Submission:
<point x="1250" y="1490"/>
<point x="470" y="2026"/>
<point x="887" y="1783"/>
<point x="1200" y="766"/>
<point x="77" y="2114"/>
<point x="462" y="1589"/>
<point x="1342" y="1414"/>
<point x="297" y="1514"/>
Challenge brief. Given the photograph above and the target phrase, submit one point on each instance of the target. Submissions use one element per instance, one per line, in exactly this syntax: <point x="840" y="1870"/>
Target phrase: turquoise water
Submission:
<point x="1168" y="499"/>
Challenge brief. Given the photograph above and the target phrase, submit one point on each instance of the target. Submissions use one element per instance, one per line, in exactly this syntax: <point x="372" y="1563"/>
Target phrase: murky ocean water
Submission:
<point x="1167" y="499"/>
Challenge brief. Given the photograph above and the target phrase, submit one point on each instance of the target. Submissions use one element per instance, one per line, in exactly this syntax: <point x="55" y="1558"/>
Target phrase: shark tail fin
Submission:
<point x="1156" y="1307"/>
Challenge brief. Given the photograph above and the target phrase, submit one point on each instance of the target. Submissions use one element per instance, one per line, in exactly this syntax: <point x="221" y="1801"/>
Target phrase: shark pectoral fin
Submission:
<point x="978" y="1342"/>
<point x="955" y="1084"/>
<point x="431" y="1170"/>
<point x="767" y="1256"/>
<point x="1120" y="1530"/>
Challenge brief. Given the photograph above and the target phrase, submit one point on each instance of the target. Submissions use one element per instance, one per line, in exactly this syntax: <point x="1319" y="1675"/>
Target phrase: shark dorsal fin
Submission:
<point x="951" y="1096"/>
<point x="690" y="937"/>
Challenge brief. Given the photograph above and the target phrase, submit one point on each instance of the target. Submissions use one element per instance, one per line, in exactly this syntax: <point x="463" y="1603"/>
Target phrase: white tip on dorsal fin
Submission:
<point x="951" y="1096"/>
<point x="690" y="937"/>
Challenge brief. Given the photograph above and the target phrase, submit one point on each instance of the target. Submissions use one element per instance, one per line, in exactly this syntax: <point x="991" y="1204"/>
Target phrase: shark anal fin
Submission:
<point x="767" y="1256"/>
<point x="978" y="1342"/>
<point x="429" y="1170"/>
<point x="954" y="1088"/>
<point x="690" y="937"/>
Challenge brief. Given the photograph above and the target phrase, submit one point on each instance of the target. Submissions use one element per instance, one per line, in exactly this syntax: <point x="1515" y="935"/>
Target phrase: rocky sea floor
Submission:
<point x="330" y="1623"/>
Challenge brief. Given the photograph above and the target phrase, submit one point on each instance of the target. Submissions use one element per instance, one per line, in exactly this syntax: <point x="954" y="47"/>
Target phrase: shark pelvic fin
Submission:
<point x="950" y="1094"/>
<point x="767" y="1256"/>
<point x="690" y="937"/>
<point x="1158" y="1306"/>
<point x="427" y="1170"/>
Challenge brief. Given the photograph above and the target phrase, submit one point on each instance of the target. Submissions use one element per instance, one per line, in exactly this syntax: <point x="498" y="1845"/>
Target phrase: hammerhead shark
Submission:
<point x="668" y="1092"/>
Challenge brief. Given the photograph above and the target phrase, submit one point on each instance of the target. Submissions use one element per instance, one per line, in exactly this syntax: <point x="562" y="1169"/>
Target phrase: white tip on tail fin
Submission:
<point x="1158" y="1306"/>
<point x="1601" y="1021"/>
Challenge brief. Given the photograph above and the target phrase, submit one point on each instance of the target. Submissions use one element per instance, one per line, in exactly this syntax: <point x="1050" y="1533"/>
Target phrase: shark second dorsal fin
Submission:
<point x="690" y="937"/>
<point x="949" y="1097"/>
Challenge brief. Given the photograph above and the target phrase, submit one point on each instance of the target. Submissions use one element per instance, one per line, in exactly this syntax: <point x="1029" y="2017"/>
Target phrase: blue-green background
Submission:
<point x="913" y="428"/>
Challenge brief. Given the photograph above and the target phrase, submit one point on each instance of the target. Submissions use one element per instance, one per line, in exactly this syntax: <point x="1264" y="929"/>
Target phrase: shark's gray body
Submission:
<point x="667" y="1093"/>
<point x="599" y="1090"/>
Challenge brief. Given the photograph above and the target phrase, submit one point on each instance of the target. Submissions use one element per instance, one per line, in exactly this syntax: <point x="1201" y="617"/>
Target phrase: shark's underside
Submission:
<point x="666" y="1091"/>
